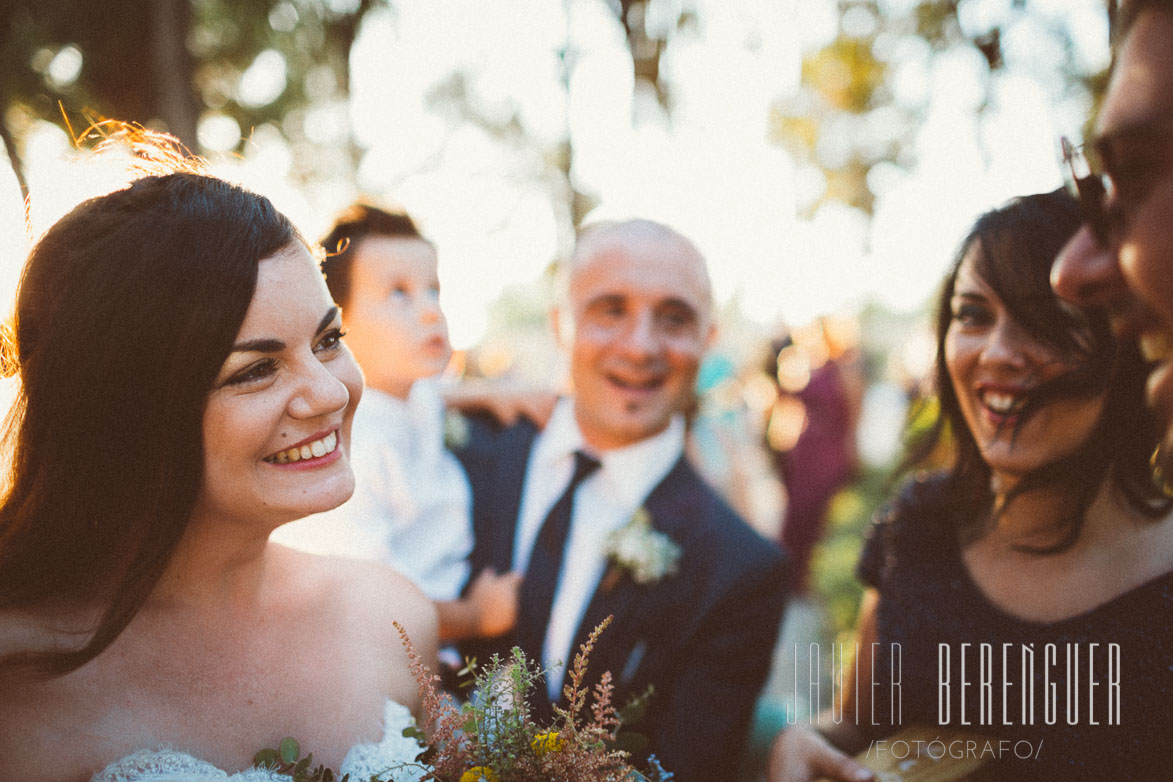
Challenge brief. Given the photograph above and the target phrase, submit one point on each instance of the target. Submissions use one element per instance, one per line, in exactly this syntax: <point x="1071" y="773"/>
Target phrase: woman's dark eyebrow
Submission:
<point x="276" y="345"/>
<point x="259" y="346"/>
<point x="327" y="320"/>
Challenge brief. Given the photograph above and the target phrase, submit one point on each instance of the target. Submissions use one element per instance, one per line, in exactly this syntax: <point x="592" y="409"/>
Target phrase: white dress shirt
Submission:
<point x="412" y="506"/>
<point x="605" y="501"/>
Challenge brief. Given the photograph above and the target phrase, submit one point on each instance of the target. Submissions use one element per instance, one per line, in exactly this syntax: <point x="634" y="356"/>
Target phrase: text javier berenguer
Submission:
<point x="1025" y="684"/>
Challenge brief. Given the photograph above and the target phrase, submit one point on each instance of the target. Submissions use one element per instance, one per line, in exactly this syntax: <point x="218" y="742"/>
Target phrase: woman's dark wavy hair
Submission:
<point x="126" y="310"/>
<point x="1016" y="245"/>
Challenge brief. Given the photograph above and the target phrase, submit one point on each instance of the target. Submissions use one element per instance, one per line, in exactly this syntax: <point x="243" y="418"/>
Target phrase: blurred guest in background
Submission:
<point x="1122" y="258"/>
<point x="605" y="516"/>
<point x="1045" y="530"/>
<point x="726" y="446"/>
<point x="812" y="431"/>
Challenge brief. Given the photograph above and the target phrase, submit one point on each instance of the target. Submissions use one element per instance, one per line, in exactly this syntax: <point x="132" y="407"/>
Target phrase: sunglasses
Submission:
<point x="1112" y="176"/>
<point x="1091" y="189"/>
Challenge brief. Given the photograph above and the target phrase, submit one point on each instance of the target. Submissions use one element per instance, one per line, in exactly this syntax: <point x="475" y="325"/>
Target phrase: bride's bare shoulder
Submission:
<point x="360" y="607"/>
<point x="367" y="593"/>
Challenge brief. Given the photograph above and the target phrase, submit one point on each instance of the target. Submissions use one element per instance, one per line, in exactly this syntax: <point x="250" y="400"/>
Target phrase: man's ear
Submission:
<point x="563" y="325"/>
<point x="711" y="337"/>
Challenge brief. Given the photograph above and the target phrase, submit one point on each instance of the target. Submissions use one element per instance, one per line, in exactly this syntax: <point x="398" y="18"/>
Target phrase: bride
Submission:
<point x="184" y="391"/>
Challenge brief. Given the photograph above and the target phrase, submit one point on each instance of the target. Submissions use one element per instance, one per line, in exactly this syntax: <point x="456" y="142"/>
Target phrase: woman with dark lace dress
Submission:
<point x="1041" y="558"/>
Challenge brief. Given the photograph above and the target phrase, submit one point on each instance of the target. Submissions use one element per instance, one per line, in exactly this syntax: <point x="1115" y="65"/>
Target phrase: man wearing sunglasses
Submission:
<point x="1122" y="259"/>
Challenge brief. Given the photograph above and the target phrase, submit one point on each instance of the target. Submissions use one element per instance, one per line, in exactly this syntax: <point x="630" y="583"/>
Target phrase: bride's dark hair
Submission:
<point x="126" y="310"/>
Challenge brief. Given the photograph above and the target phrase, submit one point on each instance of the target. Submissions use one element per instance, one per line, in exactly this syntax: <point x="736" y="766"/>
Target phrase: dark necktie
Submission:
<point x="545" y="563"/>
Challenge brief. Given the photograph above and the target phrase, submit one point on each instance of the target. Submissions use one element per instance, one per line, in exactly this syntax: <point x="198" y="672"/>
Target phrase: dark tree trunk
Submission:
<point x="645" y="51"/>
<point x="175" y="99"/>
<point x="14" y="157"/>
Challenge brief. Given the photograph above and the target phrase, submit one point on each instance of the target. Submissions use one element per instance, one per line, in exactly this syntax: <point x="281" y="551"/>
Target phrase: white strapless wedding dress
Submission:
<point x="392" y="759"/>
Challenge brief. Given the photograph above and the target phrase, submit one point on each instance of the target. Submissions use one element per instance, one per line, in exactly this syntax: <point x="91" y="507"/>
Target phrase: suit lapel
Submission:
<point x="634" y="605"/>
<point x="670" y="500"/>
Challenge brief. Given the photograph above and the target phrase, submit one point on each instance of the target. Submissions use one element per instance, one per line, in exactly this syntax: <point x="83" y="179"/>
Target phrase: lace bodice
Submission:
<point x="392" y="759"/>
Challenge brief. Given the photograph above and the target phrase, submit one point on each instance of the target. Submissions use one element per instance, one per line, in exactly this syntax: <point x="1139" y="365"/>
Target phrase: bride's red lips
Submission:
<point x="312" y="438"/>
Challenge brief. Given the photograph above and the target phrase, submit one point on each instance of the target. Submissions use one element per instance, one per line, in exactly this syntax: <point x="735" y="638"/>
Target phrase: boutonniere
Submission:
<point x="644" y="552"/>
<point x="455" y="430"/>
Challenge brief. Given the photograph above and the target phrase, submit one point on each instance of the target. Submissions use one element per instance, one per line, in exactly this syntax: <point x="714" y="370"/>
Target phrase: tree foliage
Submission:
<point x="848" y="82"/>
<point x="166" y="63"/>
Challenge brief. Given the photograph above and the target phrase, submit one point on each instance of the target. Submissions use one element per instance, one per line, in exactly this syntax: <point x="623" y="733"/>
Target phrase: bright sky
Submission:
<point x="711" y="170"/>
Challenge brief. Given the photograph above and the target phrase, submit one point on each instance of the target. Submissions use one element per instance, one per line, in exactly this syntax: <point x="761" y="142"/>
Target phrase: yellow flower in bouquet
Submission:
<point x="546" y="741"/>
<point x="479" y="774"/>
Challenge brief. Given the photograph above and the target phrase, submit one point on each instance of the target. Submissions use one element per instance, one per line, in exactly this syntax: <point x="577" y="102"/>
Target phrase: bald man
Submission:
<point x="695" y="594"/>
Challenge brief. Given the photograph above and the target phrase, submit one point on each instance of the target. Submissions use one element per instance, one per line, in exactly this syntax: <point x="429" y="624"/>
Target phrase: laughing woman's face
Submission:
<point x="995" y="365"/>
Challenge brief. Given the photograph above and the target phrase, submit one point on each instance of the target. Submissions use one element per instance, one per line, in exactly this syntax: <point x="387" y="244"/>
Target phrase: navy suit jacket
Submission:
<point x="703" y="637"/>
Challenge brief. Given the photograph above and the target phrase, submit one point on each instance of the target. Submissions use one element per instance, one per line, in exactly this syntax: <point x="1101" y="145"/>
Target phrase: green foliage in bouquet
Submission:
<point x="494" y="737"/>
<point x="286" y="759"/>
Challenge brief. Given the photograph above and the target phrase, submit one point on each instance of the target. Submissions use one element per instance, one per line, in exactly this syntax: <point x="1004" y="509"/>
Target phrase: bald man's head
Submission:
<point x="638" y="317"/>
<point x="671" y="244"/>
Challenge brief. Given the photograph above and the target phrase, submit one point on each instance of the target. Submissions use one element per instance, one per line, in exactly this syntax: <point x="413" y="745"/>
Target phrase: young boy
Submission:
<point x="412" y="504"/>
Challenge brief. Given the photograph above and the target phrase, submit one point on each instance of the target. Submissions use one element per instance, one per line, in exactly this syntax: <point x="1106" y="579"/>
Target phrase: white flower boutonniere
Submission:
<point x="455" y="430"/>
<point x="646" y="553"/>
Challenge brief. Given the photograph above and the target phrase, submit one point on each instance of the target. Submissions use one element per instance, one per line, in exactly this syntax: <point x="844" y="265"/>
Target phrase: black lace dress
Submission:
<point x="1109" y="670"/>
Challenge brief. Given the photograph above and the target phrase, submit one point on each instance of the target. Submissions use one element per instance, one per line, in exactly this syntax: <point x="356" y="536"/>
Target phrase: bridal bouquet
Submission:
<point x="495" y="738"/>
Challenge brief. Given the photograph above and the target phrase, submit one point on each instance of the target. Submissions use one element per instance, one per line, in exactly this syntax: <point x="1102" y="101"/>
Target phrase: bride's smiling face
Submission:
<point x="277" y="423"/>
